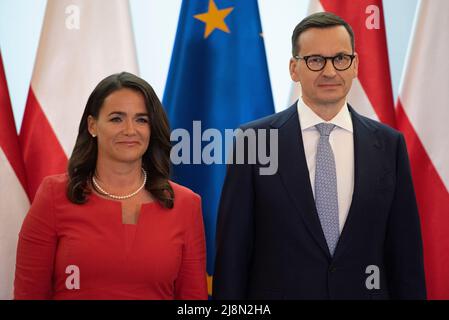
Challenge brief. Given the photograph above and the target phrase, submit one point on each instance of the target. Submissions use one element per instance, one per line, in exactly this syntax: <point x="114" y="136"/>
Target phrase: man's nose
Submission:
<point x="329" y="69"/>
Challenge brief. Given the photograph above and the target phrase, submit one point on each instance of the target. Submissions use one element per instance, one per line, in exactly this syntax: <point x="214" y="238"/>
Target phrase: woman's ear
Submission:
<point x="92" y="126"/>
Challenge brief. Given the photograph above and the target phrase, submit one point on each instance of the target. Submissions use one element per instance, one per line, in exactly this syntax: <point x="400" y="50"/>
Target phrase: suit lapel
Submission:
<point x="295" y="173"/>
<point x="366" y="151"/>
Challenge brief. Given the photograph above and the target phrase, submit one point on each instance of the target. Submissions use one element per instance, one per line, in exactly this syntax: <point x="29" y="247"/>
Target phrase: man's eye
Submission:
<point x="316" y="60"/>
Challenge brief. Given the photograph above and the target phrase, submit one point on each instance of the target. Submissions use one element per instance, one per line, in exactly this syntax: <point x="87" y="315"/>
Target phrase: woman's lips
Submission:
<point x="128" y="143"/>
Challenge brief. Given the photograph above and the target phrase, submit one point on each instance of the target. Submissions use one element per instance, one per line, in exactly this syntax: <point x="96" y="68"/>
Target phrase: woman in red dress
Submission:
<point x="114" y="226"/>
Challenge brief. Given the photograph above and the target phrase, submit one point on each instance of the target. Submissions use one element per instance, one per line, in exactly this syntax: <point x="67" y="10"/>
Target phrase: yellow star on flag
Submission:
<point x="214" y="18"/>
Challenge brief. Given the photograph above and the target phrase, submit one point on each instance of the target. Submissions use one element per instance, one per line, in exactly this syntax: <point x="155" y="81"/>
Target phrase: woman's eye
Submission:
<point x="142" y="120"/>
<point x="116" y="119"/>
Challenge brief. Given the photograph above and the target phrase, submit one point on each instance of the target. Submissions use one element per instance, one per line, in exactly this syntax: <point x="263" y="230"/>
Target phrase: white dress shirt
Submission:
<point x="342" y="143"/>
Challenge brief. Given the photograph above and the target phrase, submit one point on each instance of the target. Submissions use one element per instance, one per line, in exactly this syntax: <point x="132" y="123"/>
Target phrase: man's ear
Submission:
<point x="293" y="69"/>
<point x="356" y="65"/>
<point x="92" y="126"/>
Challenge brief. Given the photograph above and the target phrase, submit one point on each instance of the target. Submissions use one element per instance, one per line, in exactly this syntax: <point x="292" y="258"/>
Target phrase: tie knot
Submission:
<point x="325" y="128"/>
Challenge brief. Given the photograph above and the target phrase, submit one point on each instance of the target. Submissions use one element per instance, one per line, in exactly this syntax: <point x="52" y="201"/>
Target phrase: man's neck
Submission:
<point x="325" y="111"/>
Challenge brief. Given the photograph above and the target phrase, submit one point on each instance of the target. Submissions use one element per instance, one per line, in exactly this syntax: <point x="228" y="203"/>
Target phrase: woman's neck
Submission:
<point x="118" y="177"/>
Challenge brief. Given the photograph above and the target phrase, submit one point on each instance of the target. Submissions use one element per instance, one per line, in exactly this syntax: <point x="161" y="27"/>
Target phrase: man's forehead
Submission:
<point x="334" y="38"/>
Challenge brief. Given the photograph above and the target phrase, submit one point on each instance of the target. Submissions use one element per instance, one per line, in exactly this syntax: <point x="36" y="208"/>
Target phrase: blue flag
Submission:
<point x="219" y="76"/>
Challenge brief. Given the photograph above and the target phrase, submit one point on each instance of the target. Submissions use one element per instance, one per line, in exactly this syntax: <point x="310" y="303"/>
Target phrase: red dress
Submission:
<point x="163" y="256"/>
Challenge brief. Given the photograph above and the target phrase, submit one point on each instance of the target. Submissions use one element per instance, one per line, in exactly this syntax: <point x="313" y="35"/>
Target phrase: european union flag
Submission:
<point x="219" y="76"/>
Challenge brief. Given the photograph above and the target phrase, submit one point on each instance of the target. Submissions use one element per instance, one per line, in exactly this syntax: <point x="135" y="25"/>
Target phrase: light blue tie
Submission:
<point x="326" y="196"/>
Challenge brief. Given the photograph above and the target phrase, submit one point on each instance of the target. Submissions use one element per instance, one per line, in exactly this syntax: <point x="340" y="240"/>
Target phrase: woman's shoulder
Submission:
<point x="51" y="191"/>
<point x="183" y="193"/>
<point x="54" y="183"/>
<point x="56" y="180"/>
<point x="186" y="200"/>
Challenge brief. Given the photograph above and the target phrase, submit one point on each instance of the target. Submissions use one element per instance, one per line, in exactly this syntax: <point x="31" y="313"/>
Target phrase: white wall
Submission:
<point x="155" y="22"/>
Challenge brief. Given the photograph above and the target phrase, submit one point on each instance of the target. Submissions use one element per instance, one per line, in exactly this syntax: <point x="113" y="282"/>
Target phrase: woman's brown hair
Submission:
<point x="156" y="159"/>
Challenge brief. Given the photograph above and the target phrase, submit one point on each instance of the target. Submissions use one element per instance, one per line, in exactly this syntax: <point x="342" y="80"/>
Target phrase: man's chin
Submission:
<point x="332" y="101"/>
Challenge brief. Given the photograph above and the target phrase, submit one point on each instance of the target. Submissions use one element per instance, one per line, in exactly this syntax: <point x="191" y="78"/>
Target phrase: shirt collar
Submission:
<point x="308" y="118"/>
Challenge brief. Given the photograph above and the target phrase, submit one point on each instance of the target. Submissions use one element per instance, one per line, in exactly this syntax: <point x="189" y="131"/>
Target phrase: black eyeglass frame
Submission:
<point x="306" y="58"/>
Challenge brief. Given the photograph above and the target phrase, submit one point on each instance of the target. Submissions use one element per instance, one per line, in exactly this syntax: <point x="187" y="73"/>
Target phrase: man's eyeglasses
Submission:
<point x="341" y="61"/>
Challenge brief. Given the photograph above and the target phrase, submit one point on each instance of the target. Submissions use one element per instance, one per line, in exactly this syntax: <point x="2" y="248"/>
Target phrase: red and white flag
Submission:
<point x="82" y="42"/>
<point x="371" y="93"/>
<point x="13" y="199"/>
<point x="422" y="115"/>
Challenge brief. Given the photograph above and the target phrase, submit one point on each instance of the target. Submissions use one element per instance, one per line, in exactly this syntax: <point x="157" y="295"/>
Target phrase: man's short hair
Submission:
<point x="319" y="20"/>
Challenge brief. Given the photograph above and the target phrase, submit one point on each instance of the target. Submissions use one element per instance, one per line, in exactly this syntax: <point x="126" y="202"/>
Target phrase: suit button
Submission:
<point x="332" y="269"/>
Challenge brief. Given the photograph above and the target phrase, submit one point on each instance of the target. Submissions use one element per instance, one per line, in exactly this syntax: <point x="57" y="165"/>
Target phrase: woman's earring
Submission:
<point x="94" y="135"/>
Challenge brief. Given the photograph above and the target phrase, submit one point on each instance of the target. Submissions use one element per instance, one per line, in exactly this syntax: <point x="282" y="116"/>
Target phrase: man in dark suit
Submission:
<point x="338" y="220"/>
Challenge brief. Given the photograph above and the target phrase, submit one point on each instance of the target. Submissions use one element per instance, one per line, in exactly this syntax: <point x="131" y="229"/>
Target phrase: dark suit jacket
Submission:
<point x="270" y="244"/>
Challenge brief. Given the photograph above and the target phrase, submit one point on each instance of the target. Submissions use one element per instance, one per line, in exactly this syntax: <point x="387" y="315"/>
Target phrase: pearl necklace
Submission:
<point x="97" y="186"/>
